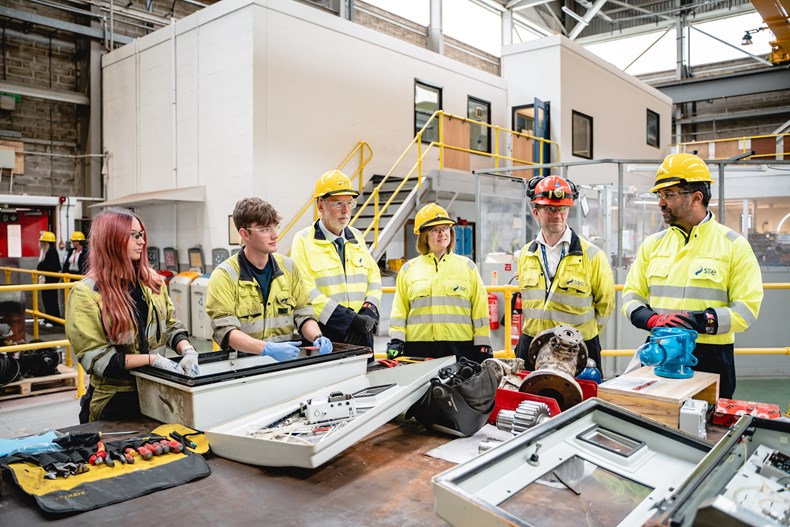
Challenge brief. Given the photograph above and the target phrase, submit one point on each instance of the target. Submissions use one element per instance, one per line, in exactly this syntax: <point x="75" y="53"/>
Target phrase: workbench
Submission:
<point x="383" y="480"/>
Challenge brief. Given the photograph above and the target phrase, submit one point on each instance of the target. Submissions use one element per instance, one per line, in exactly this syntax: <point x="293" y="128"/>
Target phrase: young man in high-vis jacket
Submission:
<point x="340" y="274"/>
<point x="697" y="274"/>
<point x="564" y="279"/>
<point x="256" y="299"/>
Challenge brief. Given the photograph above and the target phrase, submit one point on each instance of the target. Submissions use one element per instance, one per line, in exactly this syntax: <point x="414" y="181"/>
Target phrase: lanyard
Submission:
<point x="546" y="264"/>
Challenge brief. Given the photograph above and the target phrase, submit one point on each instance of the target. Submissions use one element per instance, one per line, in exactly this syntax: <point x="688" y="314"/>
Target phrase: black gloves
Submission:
<point x="395" y="348"/>
<point x="364" y="323"/>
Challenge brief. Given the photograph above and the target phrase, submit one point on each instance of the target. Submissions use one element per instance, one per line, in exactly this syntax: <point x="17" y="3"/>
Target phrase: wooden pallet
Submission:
<point x="65" y="379"/>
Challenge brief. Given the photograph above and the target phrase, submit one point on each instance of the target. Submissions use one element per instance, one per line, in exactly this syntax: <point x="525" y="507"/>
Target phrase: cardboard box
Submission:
<point x="728" y="411"/>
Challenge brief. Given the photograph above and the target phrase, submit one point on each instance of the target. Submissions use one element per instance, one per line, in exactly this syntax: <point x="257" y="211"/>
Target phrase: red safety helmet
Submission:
<point x="551" y="190"/>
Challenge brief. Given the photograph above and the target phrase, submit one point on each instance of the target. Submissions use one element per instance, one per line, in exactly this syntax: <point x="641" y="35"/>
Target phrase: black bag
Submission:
<point x="459" y="401"/>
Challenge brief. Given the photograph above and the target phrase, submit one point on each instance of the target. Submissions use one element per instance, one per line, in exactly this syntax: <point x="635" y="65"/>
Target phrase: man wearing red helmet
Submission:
<point x="564" y="279"/>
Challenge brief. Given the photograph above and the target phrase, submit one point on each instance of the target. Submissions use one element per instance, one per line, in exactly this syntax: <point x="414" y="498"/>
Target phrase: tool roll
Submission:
<point x="74" y="480"/>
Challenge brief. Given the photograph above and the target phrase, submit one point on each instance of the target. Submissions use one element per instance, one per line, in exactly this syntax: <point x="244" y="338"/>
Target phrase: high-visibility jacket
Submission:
<point x="332" y="285"/>
<point x="580" y="295"/>
<point x="88" y="339"/>
<point x="234" y="300"/>
<point x="714" y="267"/>
<point x="440" y="300"/>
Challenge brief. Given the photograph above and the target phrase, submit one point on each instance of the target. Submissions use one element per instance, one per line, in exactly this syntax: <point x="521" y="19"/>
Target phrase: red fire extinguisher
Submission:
<point x="515" y="319"/>
<point x="493" y="311"/>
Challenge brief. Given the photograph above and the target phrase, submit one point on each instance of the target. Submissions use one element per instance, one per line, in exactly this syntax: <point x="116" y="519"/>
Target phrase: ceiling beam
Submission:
<point x="60" y="25"/>
<point x="760" y="81"/>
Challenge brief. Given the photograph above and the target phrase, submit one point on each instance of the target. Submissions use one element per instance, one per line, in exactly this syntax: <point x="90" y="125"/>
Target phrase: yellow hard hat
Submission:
<point x="681" y="168"/>
<point x="47" y="236"/>
<point x="334" y="183"/>
<point x="77" y="236"/>
<point x="429" y="216"/>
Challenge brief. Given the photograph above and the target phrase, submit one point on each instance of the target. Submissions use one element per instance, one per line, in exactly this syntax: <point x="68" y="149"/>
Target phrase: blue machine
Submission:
<point x="670" y="351"/>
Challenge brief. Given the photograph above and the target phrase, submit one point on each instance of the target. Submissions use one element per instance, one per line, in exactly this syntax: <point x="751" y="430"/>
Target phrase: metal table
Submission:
<point x="383" y="480"/>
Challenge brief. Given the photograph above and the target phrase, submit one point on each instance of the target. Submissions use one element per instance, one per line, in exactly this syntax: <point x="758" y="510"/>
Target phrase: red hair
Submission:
<point x="115" y="273"/>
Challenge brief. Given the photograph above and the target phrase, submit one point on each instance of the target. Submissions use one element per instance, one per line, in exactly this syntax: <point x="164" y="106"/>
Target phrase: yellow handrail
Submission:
<point x="439" y="115"/>
<point x="360" y="150"/>
<point x="683" y="147"/>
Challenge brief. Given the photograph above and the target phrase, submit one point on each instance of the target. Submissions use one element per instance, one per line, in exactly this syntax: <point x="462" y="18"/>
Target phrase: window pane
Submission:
<point x="652" y="128"/>
<point x="582" y="135"/>
<point x="479" y="138"/>
<point x="427" y="99"/>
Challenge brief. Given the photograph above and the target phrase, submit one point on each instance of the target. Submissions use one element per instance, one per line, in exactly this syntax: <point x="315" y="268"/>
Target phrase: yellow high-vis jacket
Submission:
<point x="581" y="294"/>
<point x="332" y="287"/>
<point x="234" y="301"/>
<point x="440" y="300"/>
<point x="714" y="267"/>
<point x="99" y="357"/>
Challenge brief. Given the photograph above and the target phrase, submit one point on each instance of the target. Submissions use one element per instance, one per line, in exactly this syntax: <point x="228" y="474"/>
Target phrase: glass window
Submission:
<point x="524" y="119"/>
<point x="653" y="128"/>
<point x="479" y="135"/>
<point x="582" y="130"/>
<point x="427" y="99"/>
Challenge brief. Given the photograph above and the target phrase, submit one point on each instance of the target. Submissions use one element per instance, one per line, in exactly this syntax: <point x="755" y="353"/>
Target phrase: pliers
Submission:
<point x="389" y="363"/>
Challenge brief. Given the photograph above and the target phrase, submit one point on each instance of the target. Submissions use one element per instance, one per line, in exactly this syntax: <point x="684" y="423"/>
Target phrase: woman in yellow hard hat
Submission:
<point x="77" y="256"/>
<point x="440" y="306"/>
<point x="48" y="260"/>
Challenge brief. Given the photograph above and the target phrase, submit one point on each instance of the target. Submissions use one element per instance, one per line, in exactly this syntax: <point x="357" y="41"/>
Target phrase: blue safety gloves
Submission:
<point x="395" y="348"/>
<point x="324" y="345"/>
<point x="166" y="364"/>
<point x="282" y="351"/>
<point x="189" y="362"/>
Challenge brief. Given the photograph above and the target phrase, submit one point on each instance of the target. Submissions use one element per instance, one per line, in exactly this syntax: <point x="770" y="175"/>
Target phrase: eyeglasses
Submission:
<point x="337" y="205"/>
<point x="551" y="209"/>
<point x="442" y="229"/>
<point x="272" y="229"/>
<point x="667" y="195"/>
<point x="137" y="234"/>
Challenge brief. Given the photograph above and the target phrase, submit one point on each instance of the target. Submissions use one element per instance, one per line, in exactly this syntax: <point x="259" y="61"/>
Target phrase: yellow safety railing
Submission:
<point x="508" y="290"/>
<point x="422" y="151"/>
<point x="34" y="287"/>
<point x="365" y="154"/>
<point x="742" y="142"/>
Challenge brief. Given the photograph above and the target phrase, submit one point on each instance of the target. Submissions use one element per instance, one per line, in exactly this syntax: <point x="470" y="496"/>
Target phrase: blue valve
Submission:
<point x="670" y="350"/>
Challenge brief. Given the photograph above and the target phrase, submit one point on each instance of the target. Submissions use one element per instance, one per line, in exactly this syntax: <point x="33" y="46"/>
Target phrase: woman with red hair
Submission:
<point x="120" y="317"/>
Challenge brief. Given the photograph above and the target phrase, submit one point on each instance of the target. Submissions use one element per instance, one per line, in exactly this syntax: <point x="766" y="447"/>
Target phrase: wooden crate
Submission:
<point x="65" y="379"/>
<point x="662" y="399"/>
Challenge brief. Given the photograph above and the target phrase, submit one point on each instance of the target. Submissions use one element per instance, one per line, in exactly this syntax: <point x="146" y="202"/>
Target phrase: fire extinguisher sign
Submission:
<point x="508" y="267"/>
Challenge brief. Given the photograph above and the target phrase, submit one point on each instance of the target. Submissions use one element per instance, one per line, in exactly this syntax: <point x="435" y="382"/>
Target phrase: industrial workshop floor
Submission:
<point x="33" y="414"/>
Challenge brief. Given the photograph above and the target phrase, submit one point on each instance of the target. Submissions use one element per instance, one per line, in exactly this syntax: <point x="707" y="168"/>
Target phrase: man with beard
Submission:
<point x="340" y="274"/>
<point x="564" y="279"/>
<point x="697" y="274"/>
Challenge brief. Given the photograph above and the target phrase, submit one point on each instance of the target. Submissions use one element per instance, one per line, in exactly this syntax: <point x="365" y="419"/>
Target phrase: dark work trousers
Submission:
<point x="124" y="406"/>
<point x="444" y="349"/>
<point x="720" y="359"/>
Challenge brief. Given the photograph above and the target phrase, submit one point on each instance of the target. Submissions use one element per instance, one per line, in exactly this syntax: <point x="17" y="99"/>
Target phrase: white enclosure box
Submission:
<point x="380" y="396"/>
<point x="201" y="323"/>
<point x="179" y="289"/>
<point x="229" y="386"/>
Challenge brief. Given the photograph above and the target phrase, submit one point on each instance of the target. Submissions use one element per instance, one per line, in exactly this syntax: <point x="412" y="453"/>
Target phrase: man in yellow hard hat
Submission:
<point x="77" y="256"/>
<point x="697" y="274"/>
<point x="339" y="272"/>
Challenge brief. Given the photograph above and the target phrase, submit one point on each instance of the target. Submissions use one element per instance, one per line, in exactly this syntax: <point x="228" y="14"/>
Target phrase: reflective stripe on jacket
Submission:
<point x="581" y="294"/>
<point x="440" y="300"/>
<point x="716" y="268"/>
<point x="85" y="331"/>
<point x="234" y="300"/>
<point x="329" y="284"/>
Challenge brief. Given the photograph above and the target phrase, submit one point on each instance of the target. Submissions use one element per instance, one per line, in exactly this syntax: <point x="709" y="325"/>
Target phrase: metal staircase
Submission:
<point x="401" y="208"/>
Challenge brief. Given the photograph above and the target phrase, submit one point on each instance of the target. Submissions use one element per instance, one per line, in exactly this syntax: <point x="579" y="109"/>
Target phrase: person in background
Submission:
<point x="342" y="277"/>
<point x="120" y="317"/>
<point x="77" y="256"/>
<point x="564" y="279"/>
<point x="48" y="260"/>
<point x="440" y="306"/>
<point x="256" y="299"/>
<point x="697" y="274"/>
